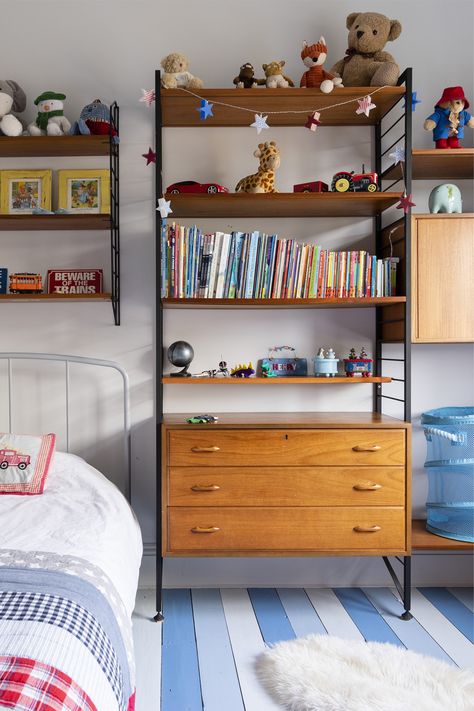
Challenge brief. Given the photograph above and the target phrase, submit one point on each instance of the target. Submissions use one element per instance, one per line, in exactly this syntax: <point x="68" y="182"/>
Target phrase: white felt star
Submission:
<point x="398" y="155"/>
<point x="148" y="97"/>
<point x="164" y="206"/>
<point x="260" y="122"/>
<point x="365" y="105"/>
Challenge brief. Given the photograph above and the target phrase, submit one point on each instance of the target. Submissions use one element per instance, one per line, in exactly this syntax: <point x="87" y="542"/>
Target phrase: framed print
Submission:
<point x="22" y="191"/>
<point x="84" y="191"/>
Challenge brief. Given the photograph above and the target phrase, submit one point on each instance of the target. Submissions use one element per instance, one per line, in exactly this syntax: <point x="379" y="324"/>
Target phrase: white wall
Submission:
<point x="109" y="49"/>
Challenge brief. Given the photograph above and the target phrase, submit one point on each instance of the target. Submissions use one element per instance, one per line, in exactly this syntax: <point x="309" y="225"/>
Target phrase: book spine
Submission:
<point x="281" y="268"/>
<point x="235" y="272"/>
<point x="222" y="266"/>
<point x="229" y="266"/>
<point x="276" y="270"/>
<point x="251" y="265"/>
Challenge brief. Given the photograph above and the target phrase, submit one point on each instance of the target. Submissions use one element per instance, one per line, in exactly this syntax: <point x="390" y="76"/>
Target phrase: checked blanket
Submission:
<point x="62" y="646"/>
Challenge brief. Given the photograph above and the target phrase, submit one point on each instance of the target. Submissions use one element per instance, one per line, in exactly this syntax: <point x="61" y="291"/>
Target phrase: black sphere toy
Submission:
<point x="180" y="354"/>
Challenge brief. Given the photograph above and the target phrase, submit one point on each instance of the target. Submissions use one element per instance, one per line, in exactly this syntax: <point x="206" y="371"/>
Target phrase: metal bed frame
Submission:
<point x="81" y="361"/>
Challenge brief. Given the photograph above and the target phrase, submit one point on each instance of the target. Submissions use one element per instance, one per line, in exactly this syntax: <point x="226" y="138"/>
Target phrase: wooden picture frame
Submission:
<point x="21" y="191"/>
<point x="84" y="191"/>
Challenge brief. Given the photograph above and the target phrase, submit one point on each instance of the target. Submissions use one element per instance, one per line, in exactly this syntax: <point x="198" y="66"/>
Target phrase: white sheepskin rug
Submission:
<point x="324" y="673"/>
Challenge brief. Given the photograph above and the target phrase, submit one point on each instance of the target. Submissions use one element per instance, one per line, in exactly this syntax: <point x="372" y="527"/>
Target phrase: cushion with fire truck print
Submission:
<point x="24" y="462"/>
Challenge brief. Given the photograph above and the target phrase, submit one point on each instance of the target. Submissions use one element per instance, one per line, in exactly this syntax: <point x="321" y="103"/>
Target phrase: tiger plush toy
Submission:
<point x="314" y="56"/>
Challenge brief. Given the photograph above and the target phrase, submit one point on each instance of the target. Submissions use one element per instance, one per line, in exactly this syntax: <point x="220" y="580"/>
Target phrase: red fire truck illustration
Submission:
<point x="13" y="458"/>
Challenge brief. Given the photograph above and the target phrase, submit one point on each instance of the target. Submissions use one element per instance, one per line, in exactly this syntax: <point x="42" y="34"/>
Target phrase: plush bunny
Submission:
<point x="12" y="98"/>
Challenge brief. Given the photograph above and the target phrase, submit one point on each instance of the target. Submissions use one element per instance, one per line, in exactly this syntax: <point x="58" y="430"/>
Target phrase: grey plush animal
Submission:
<point x="12" y="98"/>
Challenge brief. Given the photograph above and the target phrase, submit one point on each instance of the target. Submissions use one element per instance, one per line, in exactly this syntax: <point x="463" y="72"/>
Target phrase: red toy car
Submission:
<point x="344" y="182"/>
<point x="317" y="186"/>
<point x="191" y="186"/>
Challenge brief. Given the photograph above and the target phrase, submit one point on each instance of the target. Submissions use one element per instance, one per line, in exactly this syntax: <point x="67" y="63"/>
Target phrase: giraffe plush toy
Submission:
<point x="263" y="181"/>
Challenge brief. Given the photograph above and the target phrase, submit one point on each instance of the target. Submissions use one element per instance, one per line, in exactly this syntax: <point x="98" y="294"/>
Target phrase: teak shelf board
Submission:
<point x="424" y="540"/>
<point x="298" y="420"/>
<point x="179" y="108"/>
<point x="331" y="303"/>
<point x="434" y="164"/>
<point x="297" y="380"/>
<point x="54" y="222"/>
<point x="102" y="296"/>
<point x="30" y="146"/>
<point x="282" y="204"/>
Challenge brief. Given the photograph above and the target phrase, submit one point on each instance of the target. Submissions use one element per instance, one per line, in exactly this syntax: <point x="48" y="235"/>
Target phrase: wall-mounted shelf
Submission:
<point x="54" y="222"/>
<point x="282" y="204"/>
<point x="47" y="146"/>
<point x="179" y="107"/>
<point x="423" y="540"/>
<point x="330" y="303"/>
<point x="437" y="164"/>
<point x="307" y="380"/>
<point x="105" y="296"/>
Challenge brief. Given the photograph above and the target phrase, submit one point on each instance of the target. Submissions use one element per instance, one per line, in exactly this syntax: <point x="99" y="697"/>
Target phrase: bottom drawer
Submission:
<point x="289" y="529"/>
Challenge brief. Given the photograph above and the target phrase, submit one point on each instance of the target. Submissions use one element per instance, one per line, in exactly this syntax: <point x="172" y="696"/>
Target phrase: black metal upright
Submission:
<point x="158" y="344"/>
<point x="403" y="588"/>
<point x="114" y="210"/>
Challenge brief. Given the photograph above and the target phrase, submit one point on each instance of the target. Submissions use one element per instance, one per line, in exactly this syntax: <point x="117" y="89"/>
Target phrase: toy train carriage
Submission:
<point x="25" y="283"/>
<point x="358" y="365"/>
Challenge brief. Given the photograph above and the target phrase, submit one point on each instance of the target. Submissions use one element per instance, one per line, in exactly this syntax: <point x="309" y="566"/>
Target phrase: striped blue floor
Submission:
<point x="210" y="637"/>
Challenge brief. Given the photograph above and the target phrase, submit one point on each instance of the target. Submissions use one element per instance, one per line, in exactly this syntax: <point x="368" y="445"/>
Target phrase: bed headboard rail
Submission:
<point x="82" y="361"/>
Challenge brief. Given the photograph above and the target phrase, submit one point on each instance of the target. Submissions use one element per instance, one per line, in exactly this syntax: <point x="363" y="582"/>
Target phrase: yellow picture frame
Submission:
<point x="21" y="191"/>
<point x="84" y="191"/>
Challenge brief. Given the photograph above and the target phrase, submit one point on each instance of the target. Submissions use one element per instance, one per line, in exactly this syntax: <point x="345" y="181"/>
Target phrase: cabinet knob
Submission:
<point x="367" y="486"/>
<point x="367" y="529"/>
<point x="205" y="487"/>
<point x="205" y="529"/>
<point x="366" y="448"/>
<point x="205" y="449"/>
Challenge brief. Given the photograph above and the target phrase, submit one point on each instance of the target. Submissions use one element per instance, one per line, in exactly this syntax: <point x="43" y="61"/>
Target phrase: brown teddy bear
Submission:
<point x="274" y="77"/>
<point x="365" y="63"/>
<point x="175" y="73"/>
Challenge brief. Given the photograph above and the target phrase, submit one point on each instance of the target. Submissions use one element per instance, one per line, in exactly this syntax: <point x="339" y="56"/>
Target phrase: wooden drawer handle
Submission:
<point x="205" y="449"/>
<point x="367" y="529"/>
<point x="366" y="448"/>
<point x="367" y="486"/>
<point x="205" y="487"/>
<point x="205" y="529"/>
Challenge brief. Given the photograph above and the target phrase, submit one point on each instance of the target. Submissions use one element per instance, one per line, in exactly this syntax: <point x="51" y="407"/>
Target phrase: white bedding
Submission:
<point x="81" y="514"/>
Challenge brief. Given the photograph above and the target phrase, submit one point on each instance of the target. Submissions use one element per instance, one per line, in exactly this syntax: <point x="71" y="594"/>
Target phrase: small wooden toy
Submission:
<point x="358" y="364"/>
<point x="242" y="371"/>
<point x="325" y="365"/>
<point x="317" y="186"/>
<point x="25" y="283"/>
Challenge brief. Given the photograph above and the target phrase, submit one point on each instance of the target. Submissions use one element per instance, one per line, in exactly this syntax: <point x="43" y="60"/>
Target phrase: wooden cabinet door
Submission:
<point x="443" y="278"/>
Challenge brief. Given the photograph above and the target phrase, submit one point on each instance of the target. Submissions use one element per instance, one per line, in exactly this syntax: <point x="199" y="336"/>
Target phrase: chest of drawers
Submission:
<point x="286" y="484"/>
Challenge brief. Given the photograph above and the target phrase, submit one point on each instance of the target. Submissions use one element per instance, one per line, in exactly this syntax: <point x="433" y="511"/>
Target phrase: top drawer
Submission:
<point x="278" y="447"/>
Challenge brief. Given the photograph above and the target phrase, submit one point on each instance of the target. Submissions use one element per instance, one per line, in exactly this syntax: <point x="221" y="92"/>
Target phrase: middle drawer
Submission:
<point x="286" y="486"/>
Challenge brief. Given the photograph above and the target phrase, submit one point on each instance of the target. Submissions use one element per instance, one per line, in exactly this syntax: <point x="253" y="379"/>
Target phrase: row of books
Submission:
<point x="260" y="266"/>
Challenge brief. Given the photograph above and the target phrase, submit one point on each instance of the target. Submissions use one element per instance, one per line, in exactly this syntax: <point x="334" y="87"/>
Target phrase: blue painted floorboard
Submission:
<point x="302" y="616"/>
<point x="271" y="616"/>
<point x="370" y="623"/>
<point x="452" y="608"/>
<point x="180" y="684"/>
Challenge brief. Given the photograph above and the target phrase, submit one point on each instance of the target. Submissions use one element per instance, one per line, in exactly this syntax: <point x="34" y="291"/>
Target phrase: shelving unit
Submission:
<point x="177" y="108"/>
<point x="62" y="146"/>
<point x="423" y="540"/>
<point x="437" y="164"/>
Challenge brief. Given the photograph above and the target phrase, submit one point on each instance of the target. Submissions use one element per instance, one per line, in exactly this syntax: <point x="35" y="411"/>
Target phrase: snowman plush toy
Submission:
<point x="50" y="120"/>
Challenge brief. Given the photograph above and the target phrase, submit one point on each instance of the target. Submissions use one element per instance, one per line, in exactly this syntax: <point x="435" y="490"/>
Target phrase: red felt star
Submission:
<point x="313" y="121"/>
<point x="150" y="156"/>
<point x="405" y="202"/>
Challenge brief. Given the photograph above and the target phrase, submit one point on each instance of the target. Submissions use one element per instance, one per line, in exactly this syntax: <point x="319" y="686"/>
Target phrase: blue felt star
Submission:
<point x="205" y="110"/>
<point x="414" y="101"/>
<point x="398" y="155"/>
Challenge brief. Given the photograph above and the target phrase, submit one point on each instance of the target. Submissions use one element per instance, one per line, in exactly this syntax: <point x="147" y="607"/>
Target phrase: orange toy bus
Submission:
<point x="26" y="283"/>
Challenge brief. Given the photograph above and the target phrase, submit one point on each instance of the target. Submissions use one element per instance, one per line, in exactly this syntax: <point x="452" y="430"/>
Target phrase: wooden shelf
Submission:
<point x="281" y="204"/>
<point x="102" y="296"/>
<point x="298" y="420"/>
<point x="426" y="541"/>
<point x="332" y="303"/>
<point x="179" y="107"/>
<point x="434" y="164"/>
<point x="46" y="146"/>
<point x="306" y="380"/>
<point x="54" y="222"/>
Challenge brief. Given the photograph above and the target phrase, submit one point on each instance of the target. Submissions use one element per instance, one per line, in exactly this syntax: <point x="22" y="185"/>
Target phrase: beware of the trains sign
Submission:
<point x="75" y="281"/>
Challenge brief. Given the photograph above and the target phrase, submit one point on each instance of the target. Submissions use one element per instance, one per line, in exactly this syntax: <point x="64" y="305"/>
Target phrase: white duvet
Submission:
<point x="81" y="514"/>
